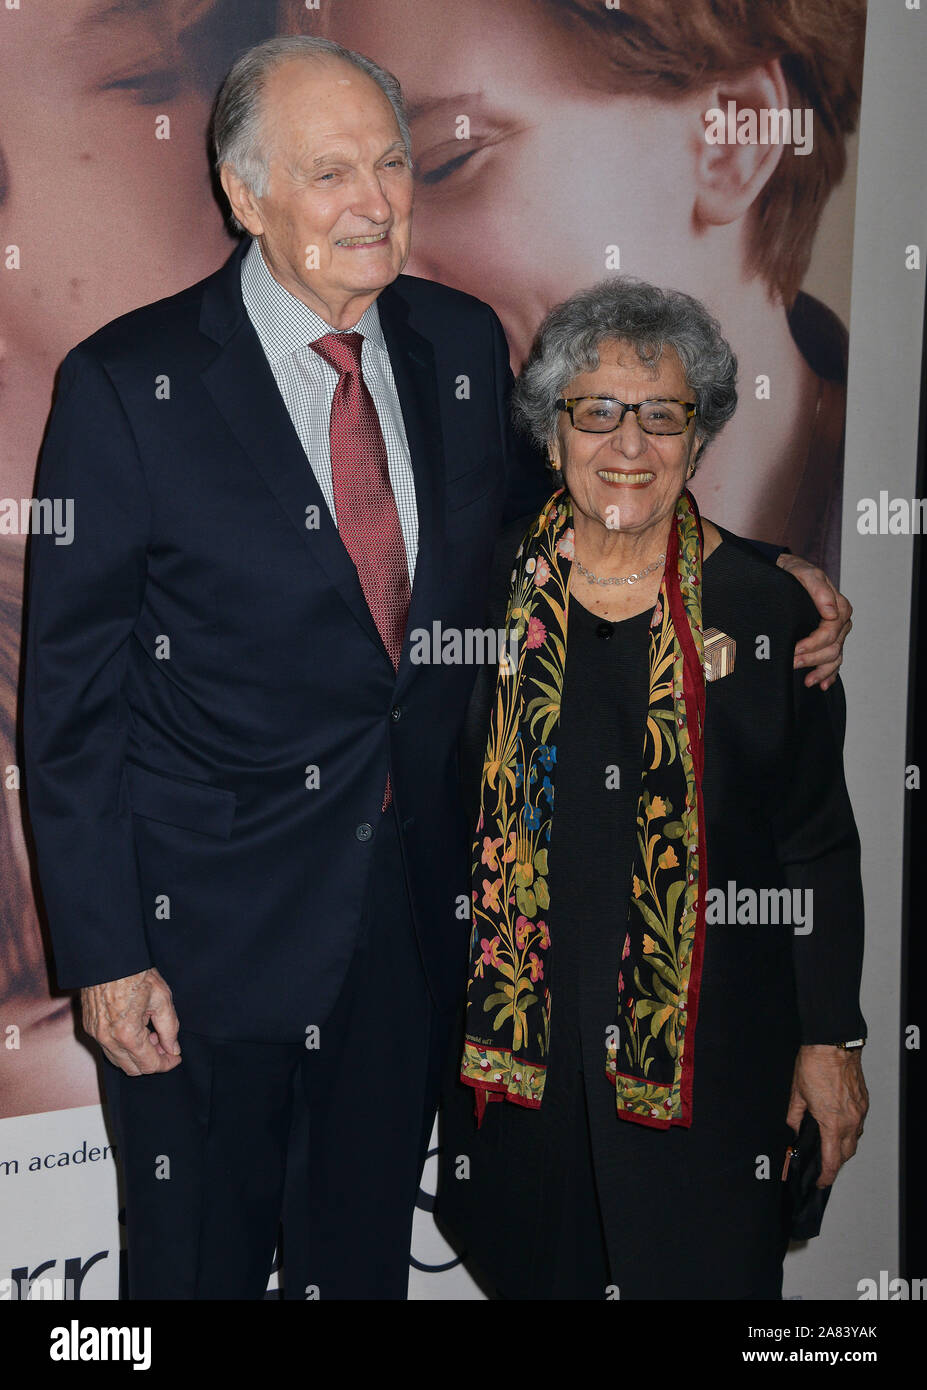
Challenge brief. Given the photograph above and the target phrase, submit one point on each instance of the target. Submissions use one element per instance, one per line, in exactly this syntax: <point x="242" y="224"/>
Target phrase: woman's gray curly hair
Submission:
<point x="650" y="320"/>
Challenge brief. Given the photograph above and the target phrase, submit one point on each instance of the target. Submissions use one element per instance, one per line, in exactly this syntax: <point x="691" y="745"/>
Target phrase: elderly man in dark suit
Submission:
<point x="243" y="790"/>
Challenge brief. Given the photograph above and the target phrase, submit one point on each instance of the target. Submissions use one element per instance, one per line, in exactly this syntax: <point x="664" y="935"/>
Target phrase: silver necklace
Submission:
<point x="621" y="579"/>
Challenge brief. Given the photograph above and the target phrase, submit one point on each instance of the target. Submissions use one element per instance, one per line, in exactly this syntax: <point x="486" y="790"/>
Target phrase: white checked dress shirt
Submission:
<point x="285" y="327"/>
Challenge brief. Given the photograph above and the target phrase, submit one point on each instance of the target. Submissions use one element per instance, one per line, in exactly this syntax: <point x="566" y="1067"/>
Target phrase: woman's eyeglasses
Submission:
<point x="602" y="414"/>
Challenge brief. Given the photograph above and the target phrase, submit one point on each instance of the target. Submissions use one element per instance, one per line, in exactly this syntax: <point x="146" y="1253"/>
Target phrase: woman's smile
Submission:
<point x="615" y="477"/>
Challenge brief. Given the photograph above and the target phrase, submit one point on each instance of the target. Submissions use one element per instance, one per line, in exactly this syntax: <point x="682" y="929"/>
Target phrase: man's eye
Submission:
<point x="450" y="166"/>
<point x="149" y="88"/>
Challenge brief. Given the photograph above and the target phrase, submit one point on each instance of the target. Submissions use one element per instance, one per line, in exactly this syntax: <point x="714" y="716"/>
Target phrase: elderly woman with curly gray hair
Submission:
<point x="666" y="901"/>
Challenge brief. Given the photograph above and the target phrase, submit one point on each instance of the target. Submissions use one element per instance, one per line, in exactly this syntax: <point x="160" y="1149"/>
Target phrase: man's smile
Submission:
<point x="375" y="239"/>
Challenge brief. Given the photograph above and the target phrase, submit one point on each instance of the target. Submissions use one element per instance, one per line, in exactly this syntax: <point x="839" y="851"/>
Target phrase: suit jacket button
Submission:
<point x="364" y="832"/>
<point x="395" y="714"/>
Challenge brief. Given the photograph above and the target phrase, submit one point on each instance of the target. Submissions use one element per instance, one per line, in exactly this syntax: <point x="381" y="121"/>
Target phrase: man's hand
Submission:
<point x="829" y="1082"/>
<point x="823" y="648"/>
<point x="116" y="1014"/>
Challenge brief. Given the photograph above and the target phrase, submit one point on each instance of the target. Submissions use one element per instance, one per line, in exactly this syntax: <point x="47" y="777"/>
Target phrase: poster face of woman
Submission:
<point x="557" y="142"/>
<point x="105" y="203"/>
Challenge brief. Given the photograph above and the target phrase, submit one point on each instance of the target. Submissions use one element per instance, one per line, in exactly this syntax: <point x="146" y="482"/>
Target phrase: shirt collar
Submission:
<point x="284" y="323"/>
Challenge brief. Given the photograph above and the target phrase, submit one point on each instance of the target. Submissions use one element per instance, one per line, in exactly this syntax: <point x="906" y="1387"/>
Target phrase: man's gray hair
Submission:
<point x="650" y="320"/>
<point x="237" y="133"/>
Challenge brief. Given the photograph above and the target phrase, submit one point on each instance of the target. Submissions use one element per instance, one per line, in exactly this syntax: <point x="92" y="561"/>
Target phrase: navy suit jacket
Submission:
<point x="209" y="710"/>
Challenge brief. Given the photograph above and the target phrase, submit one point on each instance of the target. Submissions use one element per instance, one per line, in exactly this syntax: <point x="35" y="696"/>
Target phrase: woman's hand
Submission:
<point x="823" y="648"/>
<point x="829" y="1082"/>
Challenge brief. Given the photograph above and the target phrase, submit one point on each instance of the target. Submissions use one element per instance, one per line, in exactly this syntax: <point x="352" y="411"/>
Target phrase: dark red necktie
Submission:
<point x="365" y="508"/>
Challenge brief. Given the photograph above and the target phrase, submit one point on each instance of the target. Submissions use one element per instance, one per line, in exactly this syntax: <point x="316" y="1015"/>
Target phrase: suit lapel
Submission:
<point x="243" y="388"/>
<point x="412" y="360"/>
<point x="242" y="385"/>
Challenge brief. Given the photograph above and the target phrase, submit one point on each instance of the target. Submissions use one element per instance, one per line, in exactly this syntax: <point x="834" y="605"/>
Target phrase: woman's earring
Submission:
<point x="554" y="465"/>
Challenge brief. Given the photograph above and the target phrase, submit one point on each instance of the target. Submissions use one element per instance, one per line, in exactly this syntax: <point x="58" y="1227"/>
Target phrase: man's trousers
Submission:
<point x="329" y="1137"/>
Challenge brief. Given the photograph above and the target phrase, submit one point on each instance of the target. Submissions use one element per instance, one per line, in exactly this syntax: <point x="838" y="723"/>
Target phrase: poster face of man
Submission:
<point x="104" y="187"/>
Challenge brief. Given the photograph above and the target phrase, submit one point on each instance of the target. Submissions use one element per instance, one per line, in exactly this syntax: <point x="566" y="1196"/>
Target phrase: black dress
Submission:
<point x="570" y="1201"/>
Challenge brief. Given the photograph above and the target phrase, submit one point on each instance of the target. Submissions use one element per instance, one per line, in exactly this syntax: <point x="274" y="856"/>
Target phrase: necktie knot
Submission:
<point x="340" y="350"/>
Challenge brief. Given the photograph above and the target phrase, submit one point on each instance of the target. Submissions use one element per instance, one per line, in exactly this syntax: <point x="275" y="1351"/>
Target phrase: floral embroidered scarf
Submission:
<point x="648" y="1054"/>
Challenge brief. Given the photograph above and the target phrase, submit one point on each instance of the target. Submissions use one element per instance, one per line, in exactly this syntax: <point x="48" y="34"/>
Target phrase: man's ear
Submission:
<point x="730" y="176"/>
<point x="241" y="200"/>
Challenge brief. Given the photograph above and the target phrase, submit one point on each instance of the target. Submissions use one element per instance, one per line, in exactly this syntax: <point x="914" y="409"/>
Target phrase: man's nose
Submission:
<point x="371" y="201"/>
